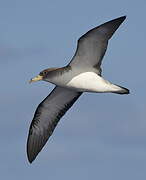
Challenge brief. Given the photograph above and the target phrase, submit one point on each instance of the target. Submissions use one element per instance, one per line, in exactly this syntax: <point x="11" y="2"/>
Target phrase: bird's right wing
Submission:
<point x="46" y="117"/>
<point x="92" y="46"/>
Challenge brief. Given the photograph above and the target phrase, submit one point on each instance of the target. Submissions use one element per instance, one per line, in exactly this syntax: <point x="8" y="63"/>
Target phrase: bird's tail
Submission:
<point x="120" y="90"/>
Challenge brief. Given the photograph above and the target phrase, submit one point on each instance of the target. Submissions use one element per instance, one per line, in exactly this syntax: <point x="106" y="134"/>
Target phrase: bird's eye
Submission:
<point x="43" y="73"/>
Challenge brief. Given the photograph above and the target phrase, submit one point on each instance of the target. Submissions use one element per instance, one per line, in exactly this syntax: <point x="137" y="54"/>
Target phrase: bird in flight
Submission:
<point x="82" y="74"/>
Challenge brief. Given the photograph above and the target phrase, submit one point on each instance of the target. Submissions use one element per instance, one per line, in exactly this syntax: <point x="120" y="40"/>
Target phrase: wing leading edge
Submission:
<point x="46" y="117"/>
<point x="92" y="46"/>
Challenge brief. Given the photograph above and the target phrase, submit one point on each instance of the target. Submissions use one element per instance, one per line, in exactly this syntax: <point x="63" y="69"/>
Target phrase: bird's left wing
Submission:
<point x="92" y="45"/>
<point x="46" y="117"/>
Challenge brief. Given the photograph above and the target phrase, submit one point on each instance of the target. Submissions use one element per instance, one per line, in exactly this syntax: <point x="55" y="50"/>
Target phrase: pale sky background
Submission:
<point x="103" y="136"/>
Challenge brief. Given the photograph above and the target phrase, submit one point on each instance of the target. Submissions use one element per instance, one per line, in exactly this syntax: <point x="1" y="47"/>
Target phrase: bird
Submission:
<point x="82" y="74"/>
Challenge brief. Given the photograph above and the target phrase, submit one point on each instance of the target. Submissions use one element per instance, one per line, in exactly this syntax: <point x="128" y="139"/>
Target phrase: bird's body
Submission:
<point x="91" y="82"/>
<point x="82" y="74"/>
<point x="88" y="81"/>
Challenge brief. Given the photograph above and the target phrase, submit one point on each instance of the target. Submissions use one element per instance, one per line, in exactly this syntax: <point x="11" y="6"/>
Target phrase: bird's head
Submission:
<point x="42" y="75"/>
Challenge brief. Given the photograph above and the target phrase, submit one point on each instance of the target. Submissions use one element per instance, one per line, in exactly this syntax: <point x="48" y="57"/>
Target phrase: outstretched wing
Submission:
<point x="92" y="46"/>
<point x="46" y="117"/>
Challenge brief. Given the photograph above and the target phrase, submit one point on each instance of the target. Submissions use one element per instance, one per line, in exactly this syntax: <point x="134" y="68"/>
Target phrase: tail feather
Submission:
<point x="121" y="90"/>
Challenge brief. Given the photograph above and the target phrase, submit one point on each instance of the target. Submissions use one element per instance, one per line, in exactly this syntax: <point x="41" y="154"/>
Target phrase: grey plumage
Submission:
<point x="46" y="117"/>
<point x="88" y="57"/>
<point x="92" y="46"/>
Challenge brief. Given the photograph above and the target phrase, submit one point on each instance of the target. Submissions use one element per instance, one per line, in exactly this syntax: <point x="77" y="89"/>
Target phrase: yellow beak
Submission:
<point x="37" y="78"/>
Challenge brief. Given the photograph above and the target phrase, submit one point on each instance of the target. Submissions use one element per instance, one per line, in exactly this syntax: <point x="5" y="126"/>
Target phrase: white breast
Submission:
<point x="89" y="81"/>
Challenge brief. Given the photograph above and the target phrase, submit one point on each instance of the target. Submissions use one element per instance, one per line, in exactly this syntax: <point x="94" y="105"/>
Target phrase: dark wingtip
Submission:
<point x="119" y="20"/>
<point x="122" y="18"/>
<point x="107" y="29"/>
<point x="30" y="152"/>
<point x="30" y="159"/>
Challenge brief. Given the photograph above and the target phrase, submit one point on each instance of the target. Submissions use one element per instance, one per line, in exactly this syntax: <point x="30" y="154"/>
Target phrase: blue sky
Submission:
<point x="103" y="136"/>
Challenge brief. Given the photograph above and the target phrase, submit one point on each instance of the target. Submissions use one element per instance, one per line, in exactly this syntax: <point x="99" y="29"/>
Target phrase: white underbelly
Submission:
<point x="91" y="82"/>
